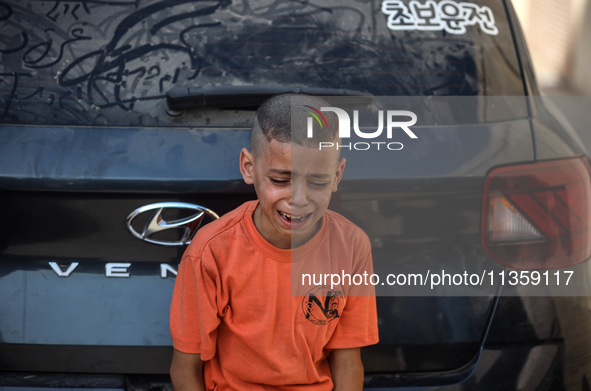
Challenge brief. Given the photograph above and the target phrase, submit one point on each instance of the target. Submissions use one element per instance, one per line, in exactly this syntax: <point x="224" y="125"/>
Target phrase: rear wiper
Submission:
<point x="240" y="97"/>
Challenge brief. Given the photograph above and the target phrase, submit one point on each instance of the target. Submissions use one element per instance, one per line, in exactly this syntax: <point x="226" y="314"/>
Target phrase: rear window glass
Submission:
<point x="112" y="62"/>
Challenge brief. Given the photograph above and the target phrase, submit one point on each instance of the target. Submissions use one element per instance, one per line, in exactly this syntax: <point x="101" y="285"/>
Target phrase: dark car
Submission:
<point x="121" y="126"/>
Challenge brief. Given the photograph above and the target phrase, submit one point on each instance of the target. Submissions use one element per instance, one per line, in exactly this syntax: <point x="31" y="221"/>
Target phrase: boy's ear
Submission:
<point x="247" y="166"/>
<point x="339" y="173"/>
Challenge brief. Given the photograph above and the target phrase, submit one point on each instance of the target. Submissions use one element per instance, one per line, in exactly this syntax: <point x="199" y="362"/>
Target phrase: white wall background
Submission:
<point x="559" y="37"/>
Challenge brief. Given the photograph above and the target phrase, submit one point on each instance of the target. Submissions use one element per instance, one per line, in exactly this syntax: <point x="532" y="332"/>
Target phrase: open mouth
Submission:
<point x="293" y="218"/>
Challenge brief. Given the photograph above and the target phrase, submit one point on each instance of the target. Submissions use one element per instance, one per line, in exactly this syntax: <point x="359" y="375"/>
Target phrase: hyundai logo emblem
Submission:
<point x="147" y="222"/>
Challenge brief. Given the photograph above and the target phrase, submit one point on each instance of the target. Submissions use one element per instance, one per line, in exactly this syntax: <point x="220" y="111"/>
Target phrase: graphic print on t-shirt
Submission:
<point x="322" y="304"/>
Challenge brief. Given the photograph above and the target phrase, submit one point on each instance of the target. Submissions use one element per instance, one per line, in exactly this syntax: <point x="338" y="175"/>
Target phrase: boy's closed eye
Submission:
<point x="319" y="184"/>
<point x="277" y="181"/>
<point x="316" y="184"/>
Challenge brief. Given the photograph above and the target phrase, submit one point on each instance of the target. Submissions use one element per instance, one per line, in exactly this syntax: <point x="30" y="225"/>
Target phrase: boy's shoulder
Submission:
<point x="341" y="220"/>
<point x="337" y="219"/>
<point x="336" y="223"/>
<point x="219" y="229"/>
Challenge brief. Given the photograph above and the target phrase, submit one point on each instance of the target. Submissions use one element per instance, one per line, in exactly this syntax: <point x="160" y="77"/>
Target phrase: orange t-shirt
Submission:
<point x="234" y="305"/>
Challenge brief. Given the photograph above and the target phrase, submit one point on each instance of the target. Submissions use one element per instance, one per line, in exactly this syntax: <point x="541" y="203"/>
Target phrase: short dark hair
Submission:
<point x="284" y="118"/>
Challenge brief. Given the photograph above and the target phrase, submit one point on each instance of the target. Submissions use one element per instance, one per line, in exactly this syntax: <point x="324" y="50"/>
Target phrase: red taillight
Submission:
<point x="538" y="215"/>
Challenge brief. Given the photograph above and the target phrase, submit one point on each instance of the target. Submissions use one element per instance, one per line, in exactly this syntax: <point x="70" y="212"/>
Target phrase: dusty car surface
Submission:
<point x="121" y="125"/>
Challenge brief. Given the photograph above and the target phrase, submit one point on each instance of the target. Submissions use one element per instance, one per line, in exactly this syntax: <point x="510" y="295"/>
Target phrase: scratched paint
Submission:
<point x="111" y="62"/>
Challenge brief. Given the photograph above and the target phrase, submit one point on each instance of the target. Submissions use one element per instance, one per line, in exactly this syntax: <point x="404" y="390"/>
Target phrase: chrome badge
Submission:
<point x="168" y="223"/>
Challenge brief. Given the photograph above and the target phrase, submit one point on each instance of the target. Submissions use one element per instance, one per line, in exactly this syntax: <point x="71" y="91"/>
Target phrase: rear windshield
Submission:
<point x="112" y="62"/>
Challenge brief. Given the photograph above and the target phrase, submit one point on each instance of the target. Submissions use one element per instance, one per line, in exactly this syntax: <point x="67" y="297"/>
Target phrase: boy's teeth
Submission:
<point x="292" y="218"/>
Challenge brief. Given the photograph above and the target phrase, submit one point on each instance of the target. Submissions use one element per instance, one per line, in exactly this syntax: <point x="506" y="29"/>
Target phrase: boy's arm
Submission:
<point x="186" y="372"/>
<point x="346" y="369"/>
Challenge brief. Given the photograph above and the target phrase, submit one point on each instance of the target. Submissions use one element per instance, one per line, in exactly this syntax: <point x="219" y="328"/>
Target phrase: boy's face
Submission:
<point x="294" y="184"/>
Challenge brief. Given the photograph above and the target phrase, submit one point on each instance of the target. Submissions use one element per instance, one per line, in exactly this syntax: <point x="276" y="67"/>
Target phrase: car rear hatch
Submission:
<point x="88" y="138"/>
